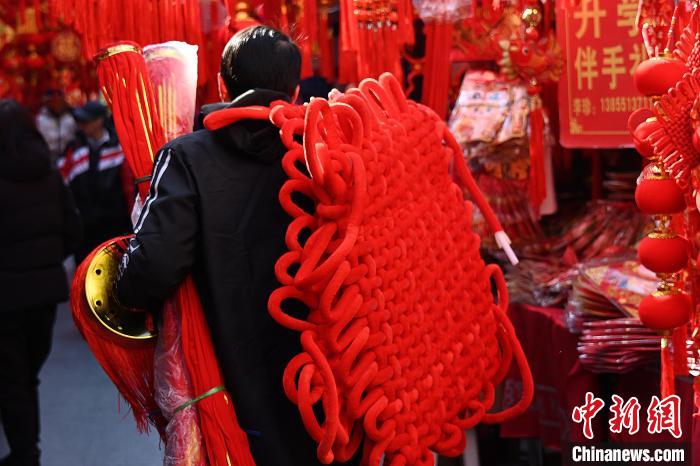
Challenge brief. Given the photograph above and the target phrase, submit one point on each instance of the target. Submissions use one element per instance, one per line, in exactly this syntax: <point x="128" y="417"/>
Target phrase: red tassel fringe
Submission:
<point x="436" y="79"/>
<point x="225" y="441"/>
<point x="537" y="189"/>
<point x="668" y="383"/>
<point x="129" y="368"/>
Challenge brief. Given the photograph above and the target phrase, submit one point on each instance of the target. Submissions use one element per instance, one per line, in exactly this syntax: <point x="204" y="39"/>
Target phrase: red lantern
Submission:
<point x="665" y="310"/>
<point x="34" y="61"/>
<point x="12" y="62"/>
<point x="641" y="133"/>
<point x="637" y="117"/>
<point x="659" y="197"/>
<point x="696" y="139"/>
<point x="663" y="253"/>
<point x="655" y="76"/>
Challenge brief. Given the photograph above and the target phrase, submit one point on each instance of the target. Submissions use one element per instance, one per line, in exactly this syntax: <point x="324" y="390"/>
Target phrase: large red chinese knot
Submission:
<point x="403" y="343"/>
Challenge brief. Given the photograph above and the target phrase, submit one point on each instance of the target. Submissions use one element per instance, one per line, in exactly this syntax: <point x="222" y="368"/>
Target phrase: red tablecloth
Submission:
<point x="561" y="384"/>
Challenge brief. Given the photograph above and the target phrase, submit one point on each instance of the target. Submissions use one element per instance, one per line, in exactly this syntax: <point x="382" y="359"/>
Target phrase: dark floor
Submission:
<point x="81" y="424"/>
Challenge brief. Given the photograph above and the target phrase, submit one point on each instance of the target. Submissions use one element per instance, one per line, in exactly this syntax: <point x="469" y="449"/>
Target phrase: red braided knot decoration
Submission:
<point x="403" y="344"/>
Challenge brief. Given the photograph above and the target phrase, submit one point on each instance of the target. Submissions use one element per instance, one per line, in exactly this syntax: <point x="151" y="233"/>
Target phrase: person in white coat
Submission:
<point x="56" y="123"/>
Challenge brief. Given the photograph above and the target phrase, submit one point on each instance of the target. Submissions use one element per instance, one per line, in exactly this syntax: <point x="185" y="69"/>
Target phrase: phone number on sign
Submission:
<point x="622" y="104"/>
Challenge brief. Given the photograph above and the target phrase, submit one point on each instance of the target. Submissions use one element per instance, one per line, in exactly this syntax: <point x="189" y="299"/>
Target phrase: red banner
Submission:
<point x="602" y="48"/>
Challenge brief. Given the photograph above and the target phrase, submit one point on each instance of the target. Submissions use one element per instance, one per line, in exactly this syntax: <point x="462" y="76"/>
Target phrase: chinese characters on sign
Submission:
<point x="597" y="93"/>
<point x="662" y="415"/>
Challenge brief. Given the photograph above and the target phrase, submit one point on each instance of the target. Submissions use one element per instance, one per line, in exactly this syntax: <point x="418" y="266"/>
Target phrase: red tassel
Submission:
<point x="436" y="80"/>
<point x="125" y="83"/>
<point x="103" y="22"/>
<point x="326" y="48"/>
<point x="129" y="368"/>
<point x="537" y="189"/>
<point x="225" y="441"/>
<point x="680" y="355"/>
<point x="668" y="382"/>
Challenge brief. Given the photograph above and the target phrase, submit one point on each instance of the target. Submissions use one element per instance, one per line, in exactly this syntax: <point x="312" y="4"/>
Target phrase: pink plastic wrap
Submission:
<point x="183" y="437"/>
<point x="172" y="67"/>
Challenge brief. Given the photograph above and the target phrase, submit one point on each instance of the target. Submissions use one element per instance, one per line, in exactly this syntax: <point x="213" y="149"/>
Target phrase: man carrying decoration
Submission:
<point x="213" y="211"/>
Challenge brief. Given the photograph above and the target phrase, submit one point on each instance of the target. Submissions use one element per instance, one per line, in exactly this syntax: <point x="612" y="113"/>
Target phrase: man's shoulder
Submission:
<point x="191" y="144"/>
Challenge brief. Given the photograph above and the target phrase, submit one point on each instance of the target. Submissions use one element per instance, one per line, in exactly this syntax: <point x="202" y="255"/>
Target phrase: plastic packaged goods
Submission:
<point x="173" y="393"/>
<point x="172" y="67"/>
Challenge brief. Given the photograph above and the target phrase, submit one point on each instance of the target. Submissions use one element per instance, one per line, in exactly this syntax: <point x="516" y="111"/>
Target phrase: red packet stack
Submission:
<point x="605" y="300"/>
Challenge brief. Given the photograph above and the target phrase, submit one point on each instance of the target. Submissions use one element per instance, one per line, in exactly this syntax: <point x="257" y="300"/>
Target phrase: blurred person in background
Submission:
<point x="55" y="122"/>
<point x="40" y="228"/>
<point x="99" y="179"/>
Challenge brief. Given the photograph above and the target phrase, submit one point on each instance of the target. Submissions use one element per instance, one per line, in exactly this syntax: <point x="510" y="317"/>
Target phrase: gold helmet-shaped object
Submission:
<point x="116" y="318"/>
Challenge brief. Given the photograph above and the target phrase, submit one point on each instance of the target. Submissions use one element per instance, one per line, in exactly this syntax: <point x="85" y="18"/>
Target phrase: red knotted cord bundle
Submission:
<point x="403" y="344"/>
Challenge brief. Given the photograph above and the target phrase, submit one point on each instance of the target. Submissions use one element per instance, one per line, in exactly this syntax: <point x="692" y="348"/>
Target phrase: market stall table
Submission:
<point x="561" y="383"/>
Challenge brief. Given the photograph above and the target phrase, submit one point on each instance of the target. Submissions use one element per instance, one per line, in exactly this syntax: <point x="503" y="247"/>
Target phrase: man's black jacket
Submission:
<point x="213" y="211"/>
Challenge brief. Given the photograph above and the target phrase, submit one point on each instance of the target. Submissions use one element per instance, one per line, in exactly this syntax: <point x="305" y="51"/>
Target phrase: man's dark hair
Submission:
<point x="260" y="57"/>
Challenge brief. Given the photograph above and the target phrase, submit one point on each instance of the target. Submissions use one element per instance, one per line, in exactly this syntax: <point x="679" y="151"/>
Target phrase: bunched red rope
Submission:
<point x="403" y="343"/>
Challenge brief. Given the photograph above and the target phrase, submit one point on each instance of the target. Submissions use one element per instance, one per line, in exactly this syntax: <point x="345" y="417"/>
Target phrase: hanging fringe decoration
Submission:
<point x="103" y="22"/>
<point x="537" y="187"/>
<point x="668" y="374"/>
<point x="325" y="43"/>
<point x="372" y="34"/>
<point x="436" y="77"/>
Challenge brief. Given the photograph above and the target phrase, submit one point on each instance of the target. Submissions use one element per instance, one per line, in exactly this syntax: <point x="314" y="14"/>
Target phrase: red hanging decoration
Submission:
<point x="103" y="22"/>
<point x="372" y="33"/>
<point x="666" y="139"/>
<point x="403" y="345"/>
<point x="436" y="78"/>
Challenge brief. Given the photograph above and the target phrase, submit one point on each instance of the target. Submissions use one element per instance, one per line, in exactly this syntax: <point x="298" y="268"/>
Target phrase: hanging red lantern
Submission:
<point x="659" y="197"/>
<point x="11" y="62"/>
<point x="663" y="253"/>
<point x="641" y="133"/>
<point x="34" y="61"/>
<point x="655" y="76"/>
<point x="665" y="310"/>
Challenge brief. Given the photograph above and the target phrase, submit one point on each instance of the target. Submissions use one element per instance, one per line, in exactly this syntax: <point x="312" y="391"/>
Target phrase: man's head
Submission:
<point x="91" y="119"/>
<point x="259" y="57"/>
<point x="55" y="101"/>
